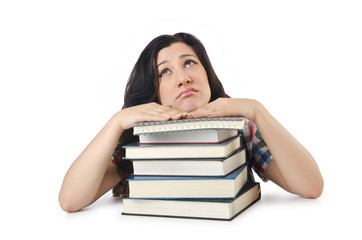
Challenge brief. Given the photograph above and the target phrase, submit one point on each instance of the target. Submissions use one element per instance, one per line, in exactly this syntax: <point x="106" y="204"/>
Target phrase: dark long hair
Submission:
<point x="142" y="86"/>
<point x="143" y="83"/>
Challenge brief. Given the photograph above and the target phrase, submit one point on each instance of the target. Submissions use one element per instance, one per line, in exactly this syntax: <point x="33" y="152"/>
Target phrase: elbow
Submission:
<point x="314" y="191"/>
<point x="67" y="204"/>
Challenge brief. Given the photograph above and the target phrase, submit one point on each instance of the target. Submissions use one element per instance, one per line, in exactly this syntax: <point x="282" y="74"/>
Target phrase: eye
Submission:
<point x="164" y="73"/>
<point x="189" y="63"/>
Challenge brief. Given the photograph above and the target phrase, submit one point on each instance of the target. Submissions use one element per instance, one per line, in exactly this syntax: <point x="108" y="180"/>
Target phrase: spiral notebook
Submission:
<point x="236" y="123"/>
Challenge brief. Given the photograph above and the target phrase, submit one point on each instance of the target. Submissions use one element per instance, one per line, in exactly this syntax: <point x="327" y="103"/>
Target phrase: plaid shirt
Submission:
<point x="259" y="154"/>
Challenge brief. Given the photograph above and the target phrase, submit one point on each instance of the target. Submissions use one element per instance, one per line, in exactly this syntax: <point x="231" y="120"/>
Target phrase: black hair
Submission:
<point x="143" y="83"/>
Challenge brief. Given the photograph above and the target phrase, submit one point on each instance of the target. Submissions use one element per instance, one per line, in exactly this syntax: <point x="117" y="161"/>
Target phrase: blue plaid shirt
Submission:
<point x="259" y="154"/>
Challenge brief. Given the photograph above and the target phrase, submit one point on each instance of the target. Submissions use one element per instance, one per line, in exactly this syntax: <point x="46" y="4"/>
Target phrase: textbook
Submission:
<point x="189" y="167"/>
<point x="236" y="123"/>
<point x="197" y="136"/>
<point x="156" y="151"/>
<point x="195" y="208"/>
<point x="181" y="187"/>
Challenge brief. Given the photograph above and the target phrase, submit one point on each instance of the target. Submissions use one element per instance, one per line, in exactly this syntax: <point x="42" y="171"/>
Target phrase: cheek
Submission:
<point x="163" y="94"/>
<point x="206" y="84"/>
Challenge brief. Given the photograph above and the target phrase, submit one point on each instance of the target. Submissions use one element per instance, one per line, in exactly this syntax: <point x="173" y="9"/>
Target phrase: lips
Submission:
<point x="187" y="92"/>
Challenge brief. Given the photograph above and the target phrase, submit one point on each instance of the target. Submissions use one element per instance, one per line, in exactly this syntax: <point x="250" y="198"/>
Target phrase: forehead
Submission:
<point x="173" y="51"/>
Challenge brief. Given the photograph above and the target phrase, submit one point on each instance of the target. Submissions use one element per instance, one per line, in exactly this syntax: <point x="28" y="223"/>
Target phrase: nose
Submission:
<point x="183" y="79"/>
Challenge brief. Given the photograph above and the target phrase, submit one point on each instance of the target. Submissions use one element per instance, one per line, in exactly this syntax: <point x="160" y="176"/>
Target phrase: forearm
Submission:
<point x="88" y="177"/>
<point x="83" y="179"/>
<point x="296" y="165"/>
<point x="293" y="167"/>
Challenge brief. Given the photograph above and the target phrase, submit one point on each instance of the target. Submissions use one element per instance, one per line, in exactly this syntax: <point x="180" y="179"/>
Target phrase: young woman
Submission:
<point x="172" y="79"/>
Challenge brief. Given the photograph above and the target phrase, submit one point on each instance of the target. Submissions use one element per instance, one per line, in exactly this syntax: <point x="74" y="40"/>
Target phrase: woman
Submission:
<point x="172" y="79"/>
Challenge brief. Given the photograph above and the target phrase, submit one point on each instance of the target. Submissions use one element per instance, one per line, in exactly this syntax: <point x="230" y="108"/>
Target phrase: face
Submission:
<point x="183" y="80"/>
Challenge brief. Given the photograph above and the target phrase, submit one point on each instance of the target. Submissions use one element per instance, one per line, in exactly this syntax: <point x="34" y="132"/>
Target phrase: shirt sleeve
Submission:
<point x="124" y="169"/>
<point x="258" y="151"/>
<point x="118" y="154"/>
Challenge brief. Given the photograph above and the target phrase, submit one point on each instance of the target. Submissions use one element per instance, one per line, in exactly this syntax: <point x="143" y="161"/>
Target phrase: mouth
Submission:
<point x="187" y="92"/>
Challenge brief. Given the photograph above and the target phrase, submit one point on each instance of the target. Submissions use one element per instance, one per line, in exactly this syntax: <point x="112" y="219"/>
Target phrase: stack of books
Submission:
<point x="192" y="168"/>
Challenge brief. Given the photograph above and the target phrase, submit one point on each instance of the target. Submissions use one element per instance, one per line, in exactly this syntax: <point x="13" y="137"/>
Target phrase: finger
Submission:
<point x="193" y="114"/>
<point x="202" y="113"/>
<point x="165" y="112"/>
<point x="168" y="115"/>
<point x="184" y="114"/>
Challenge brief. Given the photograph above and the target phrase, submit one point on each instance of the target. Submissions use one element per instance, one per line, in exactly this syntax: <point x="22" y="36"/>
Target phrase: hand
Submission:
<point x="223" y="107"/>
<point x="147" y="112"/>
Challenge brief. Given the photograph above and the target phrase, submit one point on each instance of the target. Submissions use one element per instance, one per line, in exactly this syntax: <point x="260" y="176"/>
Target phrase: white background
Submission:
<point x="63" y="69"/>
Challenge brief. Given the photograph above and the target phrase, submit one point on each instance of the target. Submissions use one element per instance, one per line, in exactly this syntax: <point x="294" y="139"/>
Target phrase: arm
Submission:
<point x="83" y="181"/>
<point x="92" y="174"/>
<point x="293" y="168"/>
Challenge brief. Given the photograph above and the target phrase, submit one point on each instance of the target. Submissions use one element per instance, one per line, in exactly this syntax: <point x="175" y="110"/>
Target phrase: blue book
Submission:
<point x="184" y="187"/>
<point x="170" y="151"/>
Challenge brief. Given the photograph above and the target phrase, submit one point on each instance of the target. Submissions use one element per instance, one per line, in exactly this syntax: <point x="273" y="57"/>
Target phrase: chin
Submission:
<point x="187" y="107"/>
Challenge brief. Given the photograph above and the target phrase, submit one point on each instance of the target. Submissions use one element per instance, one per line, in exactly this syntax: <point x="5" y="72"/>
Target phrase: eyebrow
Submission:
<point x="180" y="57"/>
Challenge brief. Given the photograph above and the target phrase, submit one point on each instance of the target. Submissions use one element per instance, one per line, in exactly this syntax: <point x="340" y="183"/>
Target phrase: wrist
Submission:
<point x="249" y="108"/>
<point x="116" y="121"/>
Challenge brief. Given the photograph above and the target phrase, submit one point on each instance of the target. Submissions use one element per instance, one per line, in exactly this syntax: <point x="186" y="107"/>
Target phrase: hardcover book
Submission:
<point x="208" y="136"/>
<point x="214" y="209"/>
<point x="220" y="150"/>
<point x="188" y="187"/>
<point x="190" y="167"/>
